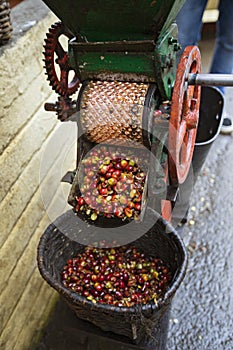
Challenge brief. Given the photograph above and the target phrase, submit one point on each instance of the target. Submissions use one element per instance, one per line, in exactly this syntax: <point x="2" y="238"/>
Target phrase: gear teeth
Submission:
<point x="54" y="25"/>
<point x="52" y="79"/>
<point x="50" y="43"/>
<point x="48" y="57"/>
<point x="47" y="66"/>
<point x="52" y="29"/>
<point x="47" y="43"/>
<point x="49" y="36"/>
<point x="48" y="52"/>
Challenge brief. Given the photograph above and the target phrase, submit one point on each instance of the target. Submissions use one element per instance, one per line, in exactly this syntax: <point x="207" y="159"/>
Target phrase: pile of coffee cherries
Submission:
<point x="112" y="186"/>
<point x="121" y="276"/>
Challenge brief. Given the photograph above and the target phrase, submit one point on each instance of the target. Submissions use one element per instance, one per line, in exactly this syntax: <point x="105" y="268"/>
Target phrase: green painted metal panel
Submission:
<point x="125" y="40"/>
<point x="110" y="20"/>
<point x="134" y="59"/>
<point x="92" y="64"/>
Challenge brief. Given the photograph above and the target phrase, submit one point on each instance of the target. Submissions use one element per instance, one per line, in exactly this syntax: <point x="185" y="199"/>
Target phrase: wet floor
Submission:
<point x="201" y="317"/>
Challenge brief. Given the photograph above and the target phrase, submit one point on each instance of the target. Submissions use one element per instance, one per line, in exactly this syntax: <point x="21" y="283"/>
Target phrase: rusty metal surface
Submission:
<point x="126" y="77"/>
<point x="56" y="60"/>
<point x="184" y="116"/>
<point x="112" y="111"/>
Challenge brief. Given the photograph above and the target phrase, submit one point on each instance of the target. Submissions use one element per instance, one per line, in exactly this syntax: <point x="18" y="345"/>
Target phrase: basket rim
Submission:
<point x="151" y="306"/>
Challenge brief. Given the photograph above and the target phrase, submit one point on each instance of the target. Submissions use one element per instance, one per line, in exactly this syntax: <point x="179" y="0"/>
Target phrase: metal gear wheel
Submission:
<point x="56" y="61"/>
<point x="64" y="107"/>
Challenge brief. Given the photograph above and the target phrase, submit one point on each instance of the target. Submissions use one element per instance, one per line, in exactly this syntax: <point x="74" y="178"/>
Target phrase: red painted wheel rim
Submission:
<point x="184" y="116"/>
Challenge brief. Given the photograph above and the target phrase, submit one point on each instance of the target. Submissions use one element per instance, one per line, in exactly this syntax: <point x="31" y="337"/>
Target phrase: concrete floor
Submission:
<point x="201" y="315"/>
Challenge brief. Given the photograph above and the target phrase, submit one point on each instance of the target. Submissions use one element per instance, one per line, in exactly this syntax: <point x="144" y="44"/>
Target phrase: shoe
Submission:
<point x="227" y="126"/>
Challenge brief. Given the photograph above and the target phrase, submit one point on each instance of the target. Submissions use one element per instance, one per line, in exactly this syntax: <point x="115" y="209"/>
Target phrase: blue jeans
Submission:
<point x="189" y="21"/>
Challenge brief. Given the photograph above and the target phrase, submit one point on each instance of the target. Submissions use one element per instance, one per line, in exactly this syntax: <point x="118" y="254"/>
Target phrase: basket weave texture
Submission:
<point x="5" y="22"/>
<point x="137" y="322"/>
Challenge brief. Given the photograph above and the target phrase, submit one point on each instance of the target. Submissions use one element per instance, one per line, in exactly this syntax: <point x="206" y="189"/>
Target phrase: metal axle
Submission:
<point x="210" y="79"/>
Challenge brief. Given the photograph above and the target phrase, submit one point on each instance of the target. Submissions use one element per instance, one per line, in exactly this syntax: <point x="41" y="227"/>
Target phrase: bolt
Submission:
<point x="177" y="47"/>
<point x="172" y="40"/>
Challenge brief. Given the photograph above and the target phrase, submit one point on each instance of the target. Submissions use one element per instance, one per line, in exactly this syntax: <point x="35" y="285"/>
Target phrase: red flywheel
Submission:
<point x="184" y="116"/>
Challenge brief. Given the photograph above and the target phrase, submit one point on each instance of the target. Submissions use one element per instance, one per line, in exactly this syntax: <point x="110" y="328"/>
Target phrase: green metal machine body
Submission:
<point x="132" y="47"/>
<point x="124" y="40"/>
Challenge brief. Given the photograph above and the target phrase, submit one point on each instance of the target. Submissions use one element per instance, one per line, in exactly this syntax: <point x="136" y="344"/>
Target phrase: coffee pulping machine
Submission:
<point x="125" y="57"/>
<point x="133" y="99"/>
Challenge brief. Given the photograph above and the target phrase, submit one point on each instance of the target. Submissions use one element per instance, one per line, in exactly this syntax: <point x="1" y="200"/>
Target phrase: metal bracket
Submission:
<point x="69" y="177"/>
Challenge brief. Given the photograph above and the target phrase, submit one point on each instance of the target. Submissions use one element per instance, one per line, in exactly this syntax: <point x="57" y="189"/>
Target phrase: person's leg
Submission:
<point x="223" y="52"/>
<point x="189" y="22"/>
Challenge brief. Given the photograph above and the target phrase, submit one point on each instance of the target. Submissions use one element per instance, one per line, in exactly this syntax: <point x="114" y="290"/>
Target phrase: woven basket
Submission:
<point x="5" y="22"/>
<point x="138" y="322"/>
